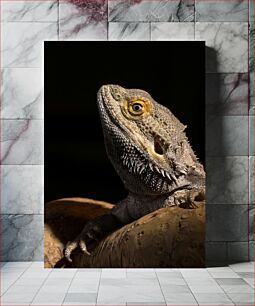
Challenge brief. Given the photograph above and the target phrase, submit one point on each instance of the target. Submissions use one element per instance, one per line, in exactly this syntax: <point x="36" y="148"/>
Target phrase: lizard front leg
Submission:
<point x="94" y="230"/>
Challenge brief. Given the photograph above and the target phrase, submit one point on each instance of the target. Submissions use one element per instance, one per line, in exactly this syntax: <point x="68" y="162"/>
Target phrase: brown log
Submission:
<point x="168" y="237"/>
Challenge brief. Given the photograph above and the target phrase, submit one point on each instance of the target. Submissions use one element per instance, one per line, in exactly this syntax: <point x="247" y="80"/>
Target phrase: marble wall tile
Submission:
<point x="147" y="10"/>
<point x="227" y="223"/>
<point x="237" y="251"/>
<point x="227" y="94"/>
<point x="81" y="20"/>
<point x="23" y="42"/>
<point x="22" y="10"/>
<point x="251" y="135"/>
<point x="215" y="253"/>
<point x="172" y="31"/>
<point x="251" y="179"/>
<point x="251" y="10"/>
<point x="251" y="222"/>
<point x="227" y="135"/>
<point x="227" y="45"/>
<point x="251" y="250"/>
<point x="21" y="142"/>
<point x="129" y="31"/>
<point x="234" y="10"/>
<point x="227" y="180"/>
<point x="251" y="69"/>
<point x="22" y="188"/>
<point x="22" y="237"/>
<point x="21" y="93"/>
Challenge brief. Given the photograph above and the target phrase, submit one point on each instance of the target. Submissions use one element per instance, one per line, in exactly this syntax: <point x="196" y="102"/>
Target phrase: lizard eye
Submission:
<point x="136" y="108"/>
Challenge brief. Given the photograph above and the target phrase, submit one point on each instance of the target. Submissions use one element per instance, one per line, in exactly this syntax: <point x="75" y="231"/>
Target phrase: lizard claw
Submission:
<point x="70" y="247"/>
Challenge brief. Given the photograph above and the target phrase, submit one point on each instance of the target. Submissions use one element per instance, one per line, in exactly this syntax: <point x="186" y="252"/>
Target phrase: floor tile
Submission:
<point x="237" y="288"/>
<point x="195" y="273"/>
<point x="230" y="281"/>
<point x="180" y="299"/>
<point x="242" y="299"/>
<point x="213" y="299"/>
<point x="44" y="298"/>
<point x="114" y="273"/>
<point x="81" y="297"/>
<point x="175" y="289"/>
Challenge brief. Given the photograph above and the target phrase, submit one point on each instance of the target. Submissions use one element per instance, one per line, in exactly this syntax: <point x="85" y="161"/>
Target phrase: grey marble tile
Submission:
<point x="227" y="45"/>
<point x="227" y="223"/>
<point x="213" y="10"/>
<point x="251" y="222"/>
<point x="251" y="10"/>
<point x="21" y="93"/>
<point x="238" y="251"/>
<point x="242" y="299"/>
<point x="227" y="135"/>
<point x="251" y="179"/>
<point x="227" y="94"/>
<point x="22" y="189"/>
<point x="172" y="31"/>
<point x="251" y="250"/>
<point x="251" y="68"/>
<point x="22" y="142"/>
<point x="81" y="297"/>
<point x="22" y="10"/>
<point x="215" y="253"/>
<point x="218" y="298"/>
<point x="83" y="20"/>
<point x="128" y="31"/>
<point x="251" y="135"/>
<point x="227" y="180"/>
<point x="147" y="10"/>
<point x="23" y="42"/>
<point x="22" y="237"/>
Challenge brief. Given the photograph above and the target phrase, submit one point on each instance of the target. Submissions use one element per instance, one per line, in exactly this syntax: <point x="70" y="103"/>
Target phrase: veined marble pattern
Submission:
<point x="227" y="94"/>
<point x="77" y="22"/>
<point x="21" y="142"/>
<point x="229" y="43"/>
<point x="22" y="42"/>
<point x="234" y="10"/>
<point x="147" y="10"/>
<point x="22" y="187"/>
<point x="251" y="180"/>
<point x="21" y="93"/>
<point x="251" y="10"/>
<point x="22" y="237"/>
<point x="227" y="135"/>
<point x="23" y="10"/>
<point x="227" y="180"/>
<point x="251" y="135"/>
<point x="129" y="31"/>
<point x="251" y="68"/>
<point x="172" y="31"/>
<point x="251" y="222"/>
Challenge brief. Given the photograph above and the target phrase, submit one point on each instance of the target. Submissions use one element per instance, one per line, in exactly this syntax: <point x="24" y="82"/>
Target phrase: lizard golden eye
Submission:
<point x="136" y="108"/>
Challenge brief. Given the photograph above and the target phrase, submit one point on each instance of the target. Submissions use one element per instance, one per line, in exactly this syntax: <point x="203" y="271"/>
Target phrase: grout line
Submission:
<point x="160" y="286"/>
<point x="2" y="278"/>
<point x="98" y="286"/>
<point x="69" y="286"/>
<point x="40" y="287"/>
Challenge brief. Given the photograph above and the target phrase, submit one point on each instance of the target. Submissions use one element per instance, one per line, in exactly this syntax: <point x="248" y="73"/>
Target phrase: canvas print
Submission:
<point x="124" y="154"/>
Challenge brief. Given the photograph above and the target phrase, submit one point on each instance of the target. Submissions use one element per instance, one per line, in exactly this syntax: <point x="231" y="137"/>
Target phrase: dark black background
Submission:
<point x="76" y="164"/>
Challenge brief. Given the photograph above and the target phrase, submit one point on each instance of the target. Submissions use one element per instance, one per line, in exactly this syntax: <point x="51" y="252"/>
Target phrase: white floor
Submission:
<point x="27" y="283"/>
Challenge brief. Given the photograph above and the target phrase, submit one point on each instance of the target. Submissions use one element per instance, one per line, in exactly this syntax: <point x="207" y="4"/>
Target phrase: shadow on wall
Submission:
<point x="220" y="228"/>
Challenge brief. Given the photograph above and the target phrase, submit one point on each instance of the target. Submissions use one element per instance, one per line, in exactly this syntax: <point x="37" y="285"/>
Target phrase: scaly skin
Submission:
<point x="150" y="152"/>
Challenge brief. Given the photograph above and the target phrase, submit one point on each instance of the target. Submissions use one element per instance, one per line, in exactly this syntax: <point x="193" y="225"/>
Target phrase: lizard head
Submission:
<point x="146" y="143"/>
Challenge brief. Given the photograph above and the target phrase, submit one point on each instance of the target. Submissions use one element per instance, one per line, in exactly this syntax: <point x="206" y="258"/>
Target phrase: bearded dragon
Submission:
<point x="150" y="152"/>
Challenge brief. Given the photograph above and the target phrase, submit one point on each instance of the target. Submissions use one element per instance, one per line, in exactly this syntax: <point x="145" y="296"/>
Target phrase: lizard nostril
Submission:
<point x="158" y="148"/>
